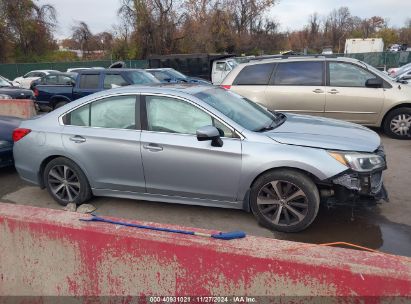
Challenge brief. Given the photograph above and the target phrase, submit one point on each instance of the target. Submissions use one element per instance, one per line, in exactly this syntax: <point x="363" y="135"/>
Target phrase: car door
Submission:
<point x="89" y="83"/>
<point x="298" y="87"/>
<point x="103" y="137"/>
<point x="176" y="163"/>
<point x="348" y="98"/>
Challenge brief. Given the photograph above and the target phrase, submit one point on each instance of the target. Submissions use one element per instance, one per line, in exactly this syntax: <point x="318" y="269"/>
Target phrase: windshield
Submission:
<point x="403" y="69"/>
<point x="176" y="74"/>
<point x="378" y="72"/>
<point x="4" y="83"/>
<point x="232" y="63"/>
<point x="141" y="77"/>
<point x="246" y="113"/>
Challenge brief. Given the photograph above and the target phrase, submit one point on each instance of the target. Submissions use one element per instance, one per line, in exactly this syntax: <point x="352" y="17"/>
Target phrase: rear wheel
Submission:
<point x="397" y="123"/>
<point x="285" y="200"/>
<point x="66" y="182"/>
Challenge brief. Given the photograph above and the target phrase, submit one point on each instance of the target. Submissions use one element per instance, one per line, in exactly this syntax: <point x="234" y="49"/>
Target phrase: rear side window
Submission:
<point x="89" y="81"/>
<point x="113" y="112"/>
<point x="257" y="74"/>
<point x="299" y="74"/>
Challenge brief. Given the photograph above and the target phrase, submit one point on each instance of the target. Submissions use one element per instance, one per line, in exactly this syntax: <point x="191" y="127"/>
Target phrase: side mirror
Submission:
<point x="374" y="83"/>
<point x="210" y="133"/>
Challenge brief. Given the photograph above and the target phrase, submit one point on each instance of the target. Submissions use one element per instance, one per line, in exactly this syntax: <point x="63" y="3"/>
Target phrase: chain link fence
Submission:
<point x="13" y="70"/>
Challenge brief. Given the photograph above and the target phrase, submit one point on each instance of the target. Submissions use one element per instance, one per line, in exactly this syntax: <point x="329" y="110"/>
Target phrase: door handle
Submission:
<point x="78" y="139"/>
<point x="318" y="91"/>
<point x="153" y="148"/>
<point x="333" y="91"/>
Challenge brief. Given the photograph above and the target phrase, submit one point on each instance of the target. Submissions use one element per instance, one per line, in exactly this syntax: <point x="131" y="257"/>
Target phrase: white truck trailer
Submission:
<point x="364" y="45"/>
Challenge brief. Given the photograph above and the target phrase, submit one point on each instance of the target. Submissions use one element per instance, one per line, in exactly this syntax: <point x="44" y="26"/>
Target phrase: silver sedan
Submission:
<point x="199" y="145"/>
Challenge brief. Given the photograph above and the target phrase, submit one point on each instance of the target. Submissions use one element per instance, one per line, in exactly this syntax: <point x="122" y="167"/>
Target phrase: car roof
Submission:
<point x="98" y="71"/>
<point x="280" y="58"/>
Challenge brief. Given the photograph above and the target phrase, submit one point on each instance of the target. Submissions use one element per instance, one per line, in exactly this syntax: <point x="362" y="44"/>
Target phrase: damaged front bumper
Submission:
<point x="355" y="188"/>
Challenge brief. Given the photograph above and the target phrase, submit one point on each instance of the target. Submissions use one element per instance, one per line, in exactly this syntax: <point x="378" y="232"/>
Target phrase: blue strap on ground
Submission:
<point x="220" y="236"/>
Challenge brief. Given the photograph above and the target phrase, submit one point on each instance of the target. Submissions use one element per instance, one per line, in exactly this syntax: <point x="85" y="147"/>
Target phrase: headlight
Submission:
<point x="4" y="96"/>
<point x="4" y="144"/>
<point x="361" y="162"/>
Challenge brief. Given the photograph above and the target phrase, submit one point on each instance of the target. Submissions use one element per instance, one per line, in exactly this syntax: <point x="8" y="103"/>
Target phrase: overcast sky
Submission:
<point x="100" y="15"/>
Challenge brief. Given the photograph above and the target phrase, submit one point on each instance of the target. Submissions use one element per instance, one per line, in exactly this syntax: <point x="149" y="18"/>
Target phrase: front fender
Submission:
<point x="261" y="157"/>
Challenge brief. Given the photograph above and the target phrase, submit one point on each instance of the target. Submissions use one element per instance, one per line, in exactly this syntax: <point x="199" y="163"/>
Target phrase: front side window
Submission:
<point x="166" y="114"/>
<point x="112" y="81"/>
<point x="161" y="75"/>
<point x="257" y="74"/>
<point x="308" y="73"/>
<point x="348" y="75"/>
<point x="112" y="112"/>
<point x="89" y="81"/>
<point x="51" y="79"/>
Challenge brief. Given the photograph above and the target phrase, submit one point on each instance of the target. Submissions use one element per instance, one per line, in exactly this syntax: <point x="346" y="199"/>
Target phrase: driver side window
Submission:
<point x="348" y="75"/>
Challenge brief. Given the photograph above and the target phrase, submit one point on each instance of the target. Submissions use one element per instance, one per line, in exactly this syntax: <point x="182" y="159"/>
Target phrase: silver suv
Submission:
<point x="334" y="87"/>
<point x="199" y="145"/>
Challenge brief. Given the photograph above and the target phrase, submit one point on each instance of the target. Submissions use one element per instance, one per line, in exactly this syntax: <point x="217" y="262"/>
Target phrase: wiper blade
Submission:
<point x="265" y="128"/>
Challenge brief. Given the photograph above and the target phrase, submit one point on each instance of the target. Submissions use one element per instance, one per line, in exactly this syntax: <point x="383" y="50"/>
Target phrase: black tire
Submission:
<point x="391" y="119"/>
<point x="59" y="104"/>
<point x="75" y="186"/>
<point x="288" y="182"/>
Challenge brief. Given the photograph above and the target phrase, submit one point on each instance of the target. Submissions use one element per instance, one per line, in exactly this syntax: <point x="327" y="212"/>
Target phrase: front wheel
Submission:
<point x="397" y="124"/>
<point x="66" y="182"/>
<point x="285" y="200"/>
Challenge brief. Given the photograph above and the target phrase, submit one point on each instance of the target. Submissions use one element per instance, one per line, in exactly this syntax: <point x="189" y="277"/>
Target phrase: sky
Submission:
<point x="101" y="15"/>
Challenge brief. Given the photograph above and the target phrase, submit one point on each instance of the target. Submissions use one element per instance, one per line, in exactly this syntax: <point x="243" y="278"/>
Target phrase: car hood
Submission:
<point x="325" y="133"/>
<point x="7" y="125"/>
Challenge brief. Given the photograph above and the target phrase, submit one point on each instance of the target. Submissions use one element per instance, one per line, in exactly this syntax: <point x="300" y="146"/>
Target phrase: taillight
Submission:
<point x="19" y="133"/>
<point x="225" y="86"/>
<point x="36" y="92"/>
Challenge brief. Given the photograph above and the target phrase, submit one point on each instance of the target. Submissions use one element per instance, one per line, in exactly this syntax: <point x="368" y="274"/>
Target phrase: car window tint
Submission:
<point x="89" y="81"/>
<point x="79" y="117"/>
<point x="348" y="75"/>
<point x="112" y="81"/>
<point x="52" y="79"/>
<point x="220" y="66"/>
<point x="257" y="74"/>
<point x="114" y="112"/>
<point x="299" y="73"/>
<point x="65" y="80"/>
<point x="166" y="114"/>
<point x="161" y="75"/>
<point x="224" y="130"/>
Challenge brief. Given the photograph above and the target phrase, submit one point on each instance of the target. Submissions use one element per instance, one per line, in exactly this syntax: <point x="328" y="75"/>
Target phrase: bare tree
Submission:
<point x="82" y="35"/>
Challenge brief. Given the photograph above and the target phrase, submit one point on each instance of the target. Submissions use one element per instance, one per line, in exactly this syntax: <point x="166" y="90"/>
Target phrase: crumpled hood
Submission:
<point x="325" y="133"/>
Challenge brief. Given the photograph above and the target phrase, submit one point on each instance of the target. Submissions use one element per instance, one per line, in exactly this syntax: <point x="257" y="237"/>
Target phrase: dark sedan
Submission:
<point x="7" y="125"/>
<point x="169" y="75"/>
<point x="8" y="91"/>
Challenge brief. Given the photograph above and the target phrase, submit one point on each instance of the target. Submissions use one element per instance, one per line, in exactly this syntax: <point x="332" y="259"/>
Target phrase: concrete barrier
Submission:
<point x="46" y="252"/>
<point x="22" y="108"/>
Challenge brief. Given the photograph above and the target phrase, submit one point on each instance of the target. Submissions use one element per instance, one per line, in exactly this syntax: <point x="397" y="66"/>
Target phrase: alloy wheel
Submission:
<point x="64" y="183"/>
<point x="401" y="124"/>
<point x="282" y="203"/>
